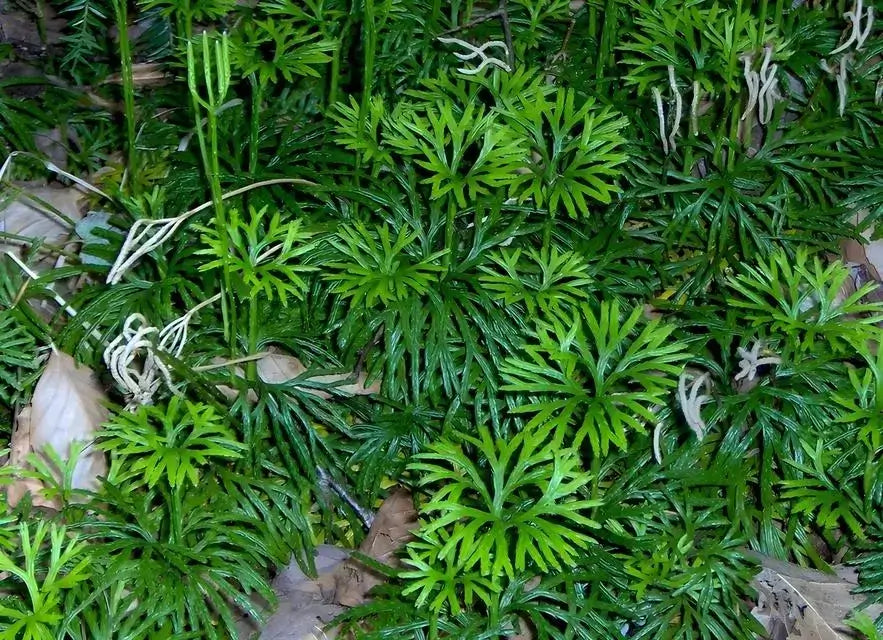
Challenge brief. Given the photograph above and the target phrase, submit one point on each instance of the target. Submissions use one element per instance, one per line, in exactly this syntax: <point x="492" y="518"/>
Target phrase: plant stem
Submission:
<point x="449" y="232"/>
<point x="255" y="131"/>
<point x="369" y="44"/>
<point x="609" y="29"/>
<point x="228" y="309"/>
<point x="128" y="81"/>
<point x="252" y="366"/>
<point x="175" y="511"/>
<point x="335" y="61"/>
<point x="209" y="153"/>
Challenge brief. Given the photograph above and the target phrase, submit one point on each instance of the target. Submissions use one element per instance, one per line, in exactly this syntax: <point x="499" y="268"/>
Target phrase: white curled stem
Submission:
<point x="751" y="361"/>
<point x="858" y="33"/>
<point x="768" y="94"/>
<point x="660" y="114"/>
<point x="679" y="109"/>
<point x="473" y="51"/>
<point x="139" y="341"/>
<point x="139" y="241"/>
<point x="691" y="401"/>
<point x="752" y="81"/>
<point x="842" y="87"/>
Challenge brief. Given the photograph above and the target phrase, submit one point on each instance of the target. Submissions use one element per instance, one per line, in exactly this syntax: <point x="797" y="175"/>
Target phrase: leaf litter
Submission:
<point x="68" y="408"/>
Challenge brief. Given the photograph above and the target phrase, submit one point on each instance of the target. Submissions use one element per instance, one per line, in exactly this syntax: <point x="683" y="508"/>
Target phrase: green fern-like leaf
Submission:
<point x="576" y="151"/>
<point x="169" y="444"/>
<point x="17" y="356"/>
<point x="521" y="505"/>
<point x="596" y="372"/>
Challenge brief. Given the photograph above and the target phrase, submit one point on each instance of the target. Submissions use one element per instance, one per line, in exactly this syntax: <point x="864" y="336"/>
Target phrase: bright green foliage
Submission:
<point x="192" y="11"/>
<point x="864" y="624"/>
<point x="182" y="558"/>
<point x="443" y="577"/>
<point x="691" y="578"/>
<point x="519" y="503"/>
<point x="596" y="372"/>
<point x="541" y="281"/>
<point x="800" y="298"/>
<point x="294" y="51"/>
<point x="465" y="154"/>
<point x="377" y="269"/>
<point x="40" y="582"/>
<point x="576" y="149"/>
<point x="542" y="288"/>
<point x="168" y="444"/>
<point x="264" y="254"/>
<point x="18" y="355"/>
<point x="360" y="131"/>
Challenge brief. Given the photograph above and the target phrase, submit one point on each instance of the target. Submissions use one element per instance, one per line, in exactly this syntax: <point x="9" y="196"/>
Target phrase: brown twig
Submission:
<point x="363" y="354"/>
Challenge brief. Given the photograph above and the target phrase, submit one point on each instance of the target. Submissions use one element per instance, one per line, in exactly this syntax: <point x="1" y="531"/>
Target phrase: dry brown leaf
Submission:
<point x="391" y="529"/>
<point x="305" y="604"/>
<point x="143" y="74"/>
<point x="20" y="447"/>
<point x="869" y="253"/>
<point x="68" y="406"/>
<point x="52" y="144"/>
<point x="525" y="632"/>
<point x="27" y="217"/>
<point x="279" y="368"/>
<point x="803" y="603"/>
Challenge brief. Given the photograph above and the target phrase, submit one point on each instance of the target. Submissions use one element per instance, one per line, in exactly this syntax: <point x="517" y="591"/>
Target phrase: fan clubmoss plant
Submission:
<point x="587" y="251"/>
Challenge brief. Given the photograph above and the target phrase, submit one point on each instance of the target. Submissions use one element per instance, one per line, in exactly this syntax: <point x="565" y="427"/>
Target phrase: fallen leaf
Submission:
<point x="279" y="368"/>
<point x="275" y="367"/>
<point x="305" y="604"/>
<point x="20" y="447"/>
<point x="525" y="632"/>
<point x="30" y="215"/>
<point x="51" y="143"/>
<point x="68" y="406"/>
<point x="803" y="603"/>
<point x="868" y="253"/>
<point x="391" y="529"/>
<point x="143" y="74"/>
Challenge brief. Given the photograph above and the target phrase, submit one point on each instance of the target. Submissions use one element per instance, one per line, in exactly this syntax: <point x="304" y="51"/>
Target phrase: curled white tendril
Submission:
<point x="763" y="86"/>
<point x="141" y="341"/>
<point x="660" y="113"/>
<point x="878" y="92"/>
<point x="858" y="33"/>
<point x="842" y="86"/>
<point x="691" y="401"/>
<point x="143" y="237"/>
<point x="474" y="51"/>
<point x="751" y="361"/>
<point x="146" y="235"/>
<point x="668" y="139"/>
<point x="679" y="108"/>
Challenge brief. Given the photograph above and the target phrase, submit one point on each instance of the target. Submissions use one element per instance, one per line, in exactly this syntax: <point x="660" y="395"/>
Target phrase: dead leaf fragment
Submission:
<point x="305" y="604"/>
<point x="391" y="530"/>
<point x="68" y="406"/>
<point x="279" y="368"/>
<point x="803" y="603"/>
<point x="20" y="447"/>
<point x="32" y="215"/>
